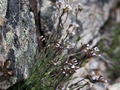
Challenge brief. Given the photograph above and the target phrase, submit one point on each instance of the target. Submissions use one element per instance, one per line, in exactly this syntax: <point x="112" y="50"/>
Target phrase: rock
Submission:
<point x="114" y="87"/>
<point x="95" y="13"/>
<point x="46" y="16"/>
<point x="18" y="42"/>
<point x="94" y="67"/>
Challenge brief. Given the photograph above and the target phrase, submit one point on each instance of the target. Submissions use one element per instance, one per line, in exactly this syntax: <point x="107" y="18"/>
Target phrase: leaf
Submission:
<point x="79" y="38"/>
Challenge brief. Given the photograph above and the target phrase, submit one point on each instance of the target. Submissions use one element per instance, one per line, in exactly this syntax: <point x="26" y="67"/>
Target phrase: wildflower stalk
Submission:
<point x="52" y="68"/>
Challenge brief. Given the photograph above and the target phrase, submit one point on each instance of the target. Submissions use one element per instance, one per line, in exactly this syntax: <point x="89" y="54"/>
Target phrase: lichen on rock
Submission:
<point x="18" y="42"/>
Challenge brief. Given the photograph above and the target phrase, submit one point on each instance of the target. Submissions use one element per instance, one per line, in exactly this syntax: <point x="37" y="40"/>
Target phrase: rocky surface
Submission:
<point x="18" y="34"/>
<point x="114" y="86"/>
<point x="17" y="42"/>
<point x="94" y="15"/>
<point x="91" y="19"/>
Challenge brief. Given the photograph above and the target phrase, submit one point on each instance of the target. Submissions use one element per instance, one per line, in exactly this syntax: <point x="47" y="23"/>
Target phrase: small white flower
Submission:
<point x="77" y="67"/>
<point x="57" y="45"/>
<point x="79" y="4"/>
<point x="91" y="85"/>
<point x="88" y="45"/>
<point x="75" y="61"/>
<point x="63" y="72"/>
<point x="88" y="48"/>
<point x="48" y="45"/>
<point x="96" y="49"/>
<point x="94" y="54"/>
<point x="77" y="71"/>
<point x="95" y="77"/>
<point x="69" y="63"/>
<point x="93" y="73"/>
<point x="43" y="39"/>
<point x="85" y="50"/>
<point x="66" y="62"/>
<point x="99" y="55"/>
<point x="66" y="74"/>
<point x="69" y="7"/>
<point x="41" y="36"/>
<point x="63" y="88"/>
<point x="65" y="68"/>
<point x="73" y="33"/>
<point x="72" y="66"/>
<point x="55" y="64"/>
<point x="106" y="81"/>
<point x="75" y="24"/>
<point x="76" y="64"/>
<point x="68" y="68"/>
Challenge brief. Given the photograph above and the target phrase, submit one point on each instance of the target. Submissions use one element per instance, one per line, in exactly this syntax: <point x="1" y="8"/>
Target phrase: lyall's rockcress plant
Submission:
<point x="54" y="67"/>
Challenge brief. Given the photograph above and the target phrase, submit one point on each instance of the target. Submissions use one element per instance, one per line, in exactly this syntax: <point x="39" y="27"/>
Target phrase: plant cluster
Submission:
<point x="54" y="66"/>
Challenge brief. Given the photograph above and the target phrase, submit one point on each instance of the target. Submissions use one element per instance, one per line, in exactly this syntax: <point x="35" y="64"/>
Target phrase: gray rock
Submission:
<point x="18" y="42"/>
<point x="114" y="87"/>
<point x="95" y="13"/>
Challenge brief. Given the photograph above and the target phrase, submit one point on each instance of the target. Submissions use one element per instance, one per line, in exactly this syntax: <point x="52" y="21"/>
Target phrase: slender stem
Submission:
<point x="65" y="18"/>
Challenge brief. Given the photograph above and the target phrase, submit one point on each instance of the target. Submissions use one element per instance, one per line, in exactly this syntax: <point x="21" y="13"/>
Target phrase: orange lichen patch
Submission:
<point x="1" y="21"/>
<point x="10" y="33"/>
<point x="7" y="64"/>
<point x="6" y="48"/>
<point x="10" y="72"/>
<point x="86" y="64"/>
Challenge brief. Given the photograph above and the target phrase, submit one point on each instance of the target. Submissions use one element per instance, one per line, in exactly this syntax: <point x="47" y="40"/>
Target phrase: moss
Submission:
<point x="13" y="80"/>
<point x="113" y="52"/>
